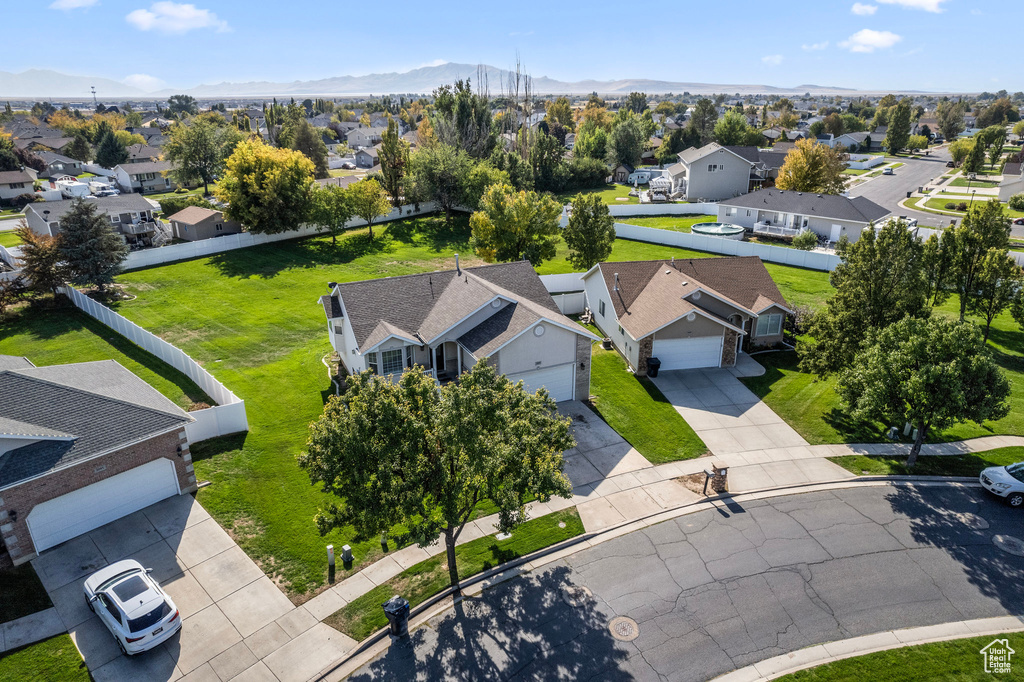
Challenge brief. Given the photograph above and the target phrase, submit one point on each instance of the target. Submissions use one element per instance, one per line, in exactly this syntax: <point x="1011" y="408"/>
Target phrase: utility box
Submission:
<point x="397" y="611"/>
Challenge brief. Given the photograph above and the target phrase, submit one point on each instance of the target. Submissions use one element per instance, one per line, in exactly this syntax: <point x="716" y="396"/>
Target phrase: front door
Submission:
<point x="439" y="362"/>
<point x="837" y="231"/>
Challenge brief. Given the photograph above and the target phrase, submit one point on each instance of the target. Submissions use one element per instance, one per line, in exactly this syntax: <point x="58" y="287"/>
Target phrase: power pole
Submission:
<point x="94" y="102"/>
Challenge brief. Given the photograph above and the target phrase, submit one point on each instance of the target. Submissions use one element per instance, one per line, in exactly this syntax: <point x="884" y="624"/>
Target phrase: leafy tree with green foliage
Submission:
<point x="110" y="151"/>
<point x="815" y="168"/>
<point x="731" y="129"/>
<point x="983" y="228"/>
<point x="439" y="173"/>
<point x="394" y="158"/>
<point x="512" y="225"/>
<point x="267" y="189"/>
<point x="975" y="160"/>
<point x="625" y="143"/>
<point x="369" y="201"/>
<point x="462" y="119"/>
<point x="330" y="210"/>
<point x="959" y="149"/>
<point x="950" y="119"/>
<point x="546" y="154"/>
<point x="412" y="453"/>
<point x="994" y="141"/>
<point x="182" y="104"/>
<point x="307" y="140"/>
<point x="915" y="142"/>
<point x="91" y="250"/>
<point x="636" y="102"/>
<point x="879" y="281"/>
<point x="591" y="142"/>
<point x="898" y="133"/>
<point x="78" y="148"/>
<point x="937" y="261"/>
<point x="199" y="151"/>
<point x="805" y="241"/>
<point x="479" y="178"/>
<point x="703" y="120"/>
<point x="560" y="111"/>
<point x="999" y="284"/>
<point x="590" y="233"/>
<point x="932" y="373"/>
<point x="42" y="263"/>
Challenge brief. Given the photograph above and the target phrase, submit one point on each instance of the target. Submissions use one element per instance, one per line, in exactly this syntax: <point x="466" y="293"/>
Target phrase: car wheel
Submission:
<point x="1015" y="499"/>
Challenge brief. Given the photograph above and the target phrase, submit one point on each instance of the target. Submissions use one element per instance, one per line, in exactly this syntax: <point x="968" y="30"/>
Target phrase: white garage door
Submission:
<point x="62" y="518"/>
<point x="703" y="351"/>
<point x="557" y="380"/>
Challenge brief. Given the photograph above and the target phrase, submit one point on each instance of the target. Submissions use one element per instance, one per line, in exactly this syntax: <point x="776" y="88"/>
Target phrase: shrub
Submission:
<point x="950" y="206"/>
<point x="180" y="190"/>
<point x="962" y="206"/>
<point x="23" y="200"/>
<point x="805" y="241"/>
<point x="1016" y="202"/>
<point x="171" y="205"/>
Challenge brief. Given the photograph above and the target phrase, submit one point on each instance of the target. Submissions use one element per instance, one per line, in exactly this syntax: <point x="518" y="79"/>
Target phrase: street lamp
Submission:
<point x="973" y="192"/>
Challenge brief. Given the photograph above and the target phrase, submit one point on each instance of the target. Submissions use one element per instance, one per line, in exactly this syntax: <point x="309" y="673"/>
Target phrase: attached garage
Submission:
<point x="62" y="518"/>
<point x="690" y="353"/>
<point x="558" y="381"/>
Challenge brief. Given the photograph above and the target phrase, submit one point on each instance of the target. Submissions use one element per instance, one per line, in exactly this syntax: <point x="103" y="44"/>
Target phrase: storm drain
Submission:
<point x="1009" y="544"/>
<point x="624" y="629"/>
<point x="576" y="595"/>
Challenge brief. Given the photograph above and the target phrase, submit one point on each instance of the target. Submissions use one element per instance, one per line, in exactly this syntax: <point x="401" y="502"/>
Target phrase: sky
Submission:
<point x="938" y="45"/>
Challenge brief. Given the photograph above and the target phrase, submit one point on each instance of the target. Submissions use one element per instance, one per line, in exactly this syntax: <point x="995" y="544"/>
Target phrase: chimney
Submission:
<point x="457" y="270"/>
<point x="616" y="282"/>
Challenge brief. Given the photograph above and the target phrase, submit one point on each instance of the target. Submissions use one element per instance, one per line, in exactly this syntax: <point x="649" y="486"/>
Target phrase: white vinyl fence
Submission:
<point x="571" y="304"/>
<point x="206" y="247"/>
<point x="228" y="416"/>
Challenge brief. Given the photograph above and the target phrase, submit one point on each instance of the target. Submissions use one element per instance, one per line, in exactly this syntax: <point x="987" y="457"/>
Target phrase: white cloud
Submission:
<point x="772" y="59"/>
<point x="143" y="81"/>
<point x="863" y="10"/>
<point x="173" y="17"/>
<point x="868" y="40"/>
<point x="926" y="5"/>
<point x="72" y="4"/>
<point x="815" y="46"/>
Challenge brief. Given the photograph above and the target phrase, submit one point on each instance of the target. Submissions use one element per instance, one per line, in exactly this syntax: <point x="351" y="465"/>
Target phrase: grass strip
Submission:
<point x="51" y="659"/>
<point x="929" y="465"/>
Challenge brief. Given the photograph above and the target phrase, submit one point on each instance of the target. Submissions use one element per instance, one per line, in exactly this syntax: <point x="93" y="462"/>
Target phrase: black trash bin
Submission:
<point x="653" y="365"/>
<point x="397" y="611"/>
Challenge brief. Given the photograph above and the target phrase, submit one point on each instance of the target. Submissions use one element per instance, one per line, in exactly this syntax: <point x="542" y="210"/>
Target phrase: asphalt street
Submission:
<point x="889" y="190"/>
<point x="718" y="590"/>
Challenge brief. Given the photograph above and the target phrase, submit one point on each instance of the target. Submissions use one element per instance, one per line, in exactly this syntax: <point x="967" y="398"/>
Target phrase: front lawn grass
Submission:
<point x="51" y="659"/>
<point x="21" y="593"/>
<point x="980" y="182"/>
<point x="637" y="410"/>
<point x="363" y="616"/>
<point x="676" y="223"/>
<point x="8" y="238"/>
<point x="958" y="660"/>
<point x="610" y="194"/>
<point x="855" y="171"/>
<point x="930" y="465"/>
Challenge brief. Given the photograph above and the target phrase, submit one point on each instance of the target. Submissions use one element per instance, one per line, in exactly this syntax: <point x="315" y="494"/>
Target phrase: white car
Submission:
<point x="1005" y="482"/>
<point x="131" y="604"/>
<point x="888" y="171"/>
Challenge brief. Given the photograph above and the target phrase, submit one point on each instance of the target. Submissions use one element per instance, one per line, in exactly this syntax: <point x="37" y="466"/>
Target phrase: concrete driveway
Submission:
<point x="235" y="622"/>
<point x="600" y="451"/>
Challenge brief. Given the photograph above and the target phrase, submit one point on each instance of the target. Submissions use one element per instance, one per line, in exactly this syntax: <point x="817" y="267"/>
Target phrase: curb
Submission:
<point x="366" y="650"/>
<point x="821" y="654"/>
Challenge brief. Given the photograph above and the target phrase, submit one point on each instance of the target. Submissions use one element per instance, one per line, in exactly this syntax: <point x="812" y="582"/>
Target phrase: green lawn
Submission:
<point x="953" y="465"/>
<point x="21" y="593"/>
<point x="855" y="171"/>
<point x="957" y="660"/>
<point x="610" y="194"/>
<point x="51" y="659"/>
<point x="363" y="616"/>
<point x="677" y="223"/>
<point x="636" y="409"/>
<point x="938" y="204"/>
<point x="980" y="182"/>
<point x="8" y="238"/>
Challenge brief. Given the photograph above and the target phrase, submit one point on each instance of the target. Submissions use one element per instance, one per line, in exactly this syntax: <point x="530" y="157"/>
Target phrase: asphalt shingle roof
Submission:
<point x="122" y="203"/>
<point x="834" y="206"/>
<point x="15" y="176"/>
<point x="192" y="215"/>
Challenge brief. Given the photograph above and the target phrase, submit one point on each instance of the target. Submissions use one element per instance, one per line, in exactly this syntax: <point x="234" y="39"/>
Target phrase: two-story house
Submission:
<point x="129" y="214"/>
<point x="144" y="176"/>
<point x="16" y="182"/>
<point x="365" y="137"/>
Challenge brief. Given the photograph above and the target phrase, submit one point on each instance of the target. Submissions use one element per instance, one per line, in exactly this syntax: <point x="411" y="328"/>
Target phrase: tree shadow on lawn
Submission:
<point x="522" y="629"/>
<point x="269" y="260"/>
<point x="212" y="447"/>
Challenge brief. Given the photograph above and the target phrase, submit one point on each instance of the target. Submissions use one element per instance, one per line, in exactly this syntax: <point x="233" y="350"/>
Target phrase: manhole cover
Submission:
<point x="575" y="595"/>
<point x="624" y="629"/>
<point x="1009" y="544"/>
<point x="972" y="521"/>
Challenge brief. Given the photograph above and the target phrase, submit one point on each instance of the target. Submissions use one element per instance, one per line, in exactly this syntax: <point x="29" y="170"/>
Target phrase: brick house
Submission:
<point x="82" y="445"/>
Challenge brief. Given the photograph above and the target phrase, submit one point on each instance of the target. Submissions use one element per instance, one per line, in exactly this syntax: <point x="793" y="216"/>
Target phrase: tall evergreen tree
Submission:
<point x="110" y="152"/>
<point x="394" y="157"/>
<point x="898" y="134"/>
<point x="91" y="250"/>
<point x="308" y="140"/>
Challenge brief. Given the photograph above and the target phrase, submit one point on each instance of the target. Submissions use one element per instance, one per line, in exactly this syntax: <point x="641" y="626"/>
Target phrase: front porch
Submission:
<point x="444" y="362"/>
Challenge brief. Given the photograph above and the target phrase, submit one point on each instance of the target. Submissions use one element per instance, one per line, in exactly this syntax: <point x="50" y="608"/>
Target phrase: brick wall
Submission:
<point x="583" y="345"/>
<point x="22" y="498"/>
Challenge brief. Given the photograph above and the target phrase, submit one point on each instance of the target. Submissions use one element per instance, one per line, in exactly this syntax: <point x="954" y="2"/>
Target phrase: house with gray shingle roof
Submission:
<point x="447" y="321"/>
<point x="830" y="216"/>
<point x="82" y="445"/>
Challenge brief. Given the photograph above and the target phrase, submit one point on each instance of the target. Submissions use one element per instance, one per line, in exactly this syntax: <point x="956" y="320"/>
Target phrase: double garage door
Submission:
<point x="62" y="518"/>
<point x="559" y="381"/>
<point x="702" y="351"/>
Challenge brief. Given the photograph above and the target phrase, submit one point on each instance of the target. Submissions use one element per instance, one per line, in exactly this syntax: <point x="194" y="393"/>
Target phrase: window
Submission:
<point x="371" y="360"/>
<point x="391" y="361"/>
<point x="769" y="325"/>
<point x="115" y="218"/>
<point x="600" y="308"/>
<point x="712" y="167"/>
<point x="17" y="185"/>
<point x="219" y="227"/>
<point x="108" y="604"/>
<point x="620" y="330"/>
<point x="748" y="213"/>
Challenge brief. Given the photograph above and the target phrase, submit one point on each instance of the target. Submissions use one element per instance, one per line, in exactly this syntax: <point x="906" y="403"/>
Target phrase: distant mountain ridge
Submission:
<point x="41" y="83"/>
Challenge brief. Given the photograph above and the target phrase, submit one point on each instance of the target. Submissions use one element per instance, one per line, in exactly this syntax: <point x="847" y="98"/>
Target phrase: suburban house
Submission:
<point x="54" y="144"/>
<point x="58" y="164"/>
<point x="365" y="137"/>
<point x="827" y="139"/>
<point x="144" y="176"/>
<point x="714" y="172"/>
<point x="130" y="215"/>
<point x="142" y="153"/>
<point x="1013" y="180"/>
<point x="16" y="182"/>
<point x="687" y="313"/>
<point x="82" y="445"/>
<point x="852" y="141"/>
<point x="830" y="216"/>
<point x="621" y="172"/>
<point x="332" y="143"/>
<point x="368" y="157"/>
<point x="447" y="321"/>
<point x="570" y="140"/>
<point x="876" y="139"/>
<point x="193" y="223"/>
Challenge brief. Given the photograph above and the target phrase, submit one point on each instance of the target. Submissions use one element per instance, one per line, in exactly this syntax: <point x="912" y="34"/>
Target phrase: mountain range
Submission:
<point x="41" y="83"/>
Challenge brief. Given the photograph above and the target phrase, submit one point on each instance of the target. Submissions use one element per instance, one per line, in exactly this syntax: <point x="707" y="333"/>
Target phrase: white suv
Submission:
<point x="1006" y="482"/>
<point x="133" y="607"/>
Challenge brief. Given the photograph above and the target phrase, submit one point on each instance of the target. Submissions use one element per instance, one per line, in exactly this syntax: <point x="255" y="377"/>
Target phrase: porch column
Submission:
<point x="458" y="350"/>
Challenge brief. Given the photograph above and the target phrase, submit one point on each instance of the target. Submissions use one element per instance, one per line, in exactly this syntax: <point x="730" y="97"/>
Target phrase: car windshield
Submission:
<point x="1017" y="471"/>
<point x="132" y="587"/>
<point x="150" y="619"/>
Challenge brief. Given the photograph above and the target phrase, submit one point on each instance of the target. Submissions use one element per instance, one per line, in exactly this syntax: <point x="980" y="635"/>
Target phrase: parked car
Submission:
<point x="1019" y="221"/>
<point x="950" y="164"/>
<point x="887" y="171"/>
<point x="348" y="166"/>
<point x="131" y="604"/>
<point x="1005" y="482"/>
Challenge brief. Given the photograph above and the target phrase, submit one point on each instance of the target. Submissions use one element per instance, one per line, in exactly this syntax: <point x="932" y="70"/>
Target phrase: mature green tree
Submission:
<point x="41" y="261"/>
<point x="91" y="250"/>
<point x="879" y="281"/>
<point x="703" y="120"/>
<point x="199" y="151"/>
<point x="330" y="210"/>
<point x="590" y="233"/>
<point x="1000" y="281"/>
<point x="512" y="225"/>
<point x="591" y="142"/>
<point x="915" y="142"/>
<point x="267" y="189"/>
<point x="983" y="228"/>
<point x="814" y="168"/>
<point x="898" y="133"/>
<point x="560" y="111"/>
<point x="79" y="148"/>
<point x="546" y="154"/>
<point x="462" y="119"/>
<point x="937" y="262"/>
<point x="518" y="170"/>
<point x="834" y="124"/>
<point x="439" y="173"/>
<point x="182" y="104"/>
<point x="110" y="151"/>
<point x="950" y="119"/>
<point x="482" y="176"/>
<point x="975" y="160"/>
<point x="636" y="102"/>
<point x="959" y="149"/>
<point x="425" y="457"/>
<point x="625" y="143"/>
<point x="307" y="140"/>
<point x="394" y="157"/>
<point x="932" y="373"/>
<point x="996" y="139"/>
<point x="731" y="129"/>
<point x="369" y="201"/>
